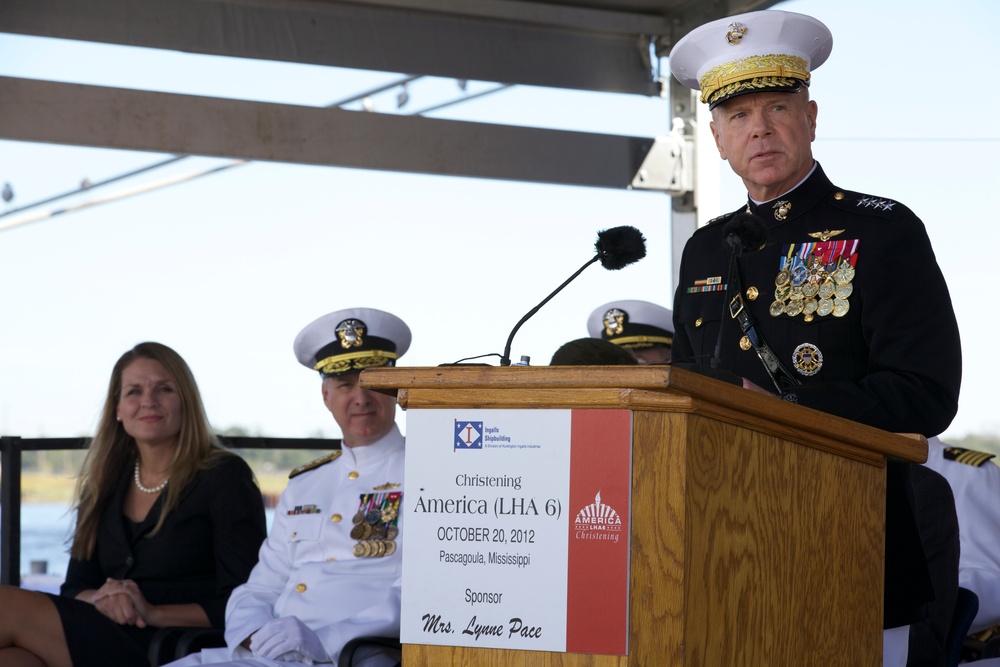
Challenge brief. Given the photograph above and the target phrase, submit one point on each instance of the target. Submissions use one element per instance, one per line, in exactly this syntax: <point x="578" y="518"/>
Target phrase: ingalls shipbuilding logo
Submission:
<point x="597" y="521"/>
<point x="468" y="435"/>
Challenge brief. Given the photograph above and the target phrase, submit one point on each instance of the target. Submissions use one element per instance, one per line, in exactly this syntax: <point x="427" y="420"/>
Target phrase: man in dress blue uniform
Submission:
<point x="834" y="299"/>
<point x="331" y="567"/>
<point x="645" y="329"/>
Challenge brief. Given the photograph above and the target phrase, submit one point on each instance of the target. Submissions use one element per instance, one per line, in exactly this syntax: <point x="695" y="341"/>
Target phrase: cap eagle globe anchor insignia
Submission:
<point x="735" y="32"/>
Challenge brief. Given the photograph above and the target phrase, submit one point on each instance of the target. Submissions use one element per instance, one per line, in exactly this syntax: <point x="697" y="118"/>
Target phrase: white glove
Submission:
<point x="288" y="638"/>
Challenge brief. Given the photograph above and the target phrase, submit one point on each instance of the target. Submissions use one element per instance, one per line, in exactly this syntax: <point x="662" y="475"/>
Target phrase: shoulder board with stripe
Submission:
<point x="312" y="465"/>
<point x="967" y="456"/>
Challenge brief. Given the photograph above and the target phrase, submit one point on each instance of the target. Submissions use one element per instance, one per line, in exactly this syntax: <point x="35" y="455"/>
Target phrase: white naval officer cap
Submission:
<point x="750" y="53"/>
<point x="352" y="340"/>
<point x="632" y="324"/>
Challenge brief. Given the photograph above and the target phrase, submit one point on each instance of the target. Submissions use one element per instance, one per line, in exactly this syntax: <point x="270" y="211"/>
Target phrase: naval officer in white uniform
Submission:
<point x="975" y="480"/>
<point x="331" y="567"/>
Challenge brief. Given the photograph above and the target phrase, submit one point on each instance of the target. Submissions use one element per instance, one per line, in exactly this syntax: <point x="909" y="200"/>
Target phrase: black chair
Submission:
<point x="173" y="643"/>
<point x="991" y="648"/>
<point x="176" y="642"/>
<point x="347" y="653"/>
<point x="982" y="645"/>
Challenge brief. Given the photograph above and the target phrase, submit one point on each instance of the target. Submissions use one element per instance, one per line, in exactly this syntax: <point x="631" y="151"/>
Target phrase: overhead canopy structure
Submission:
<point x="595" y="45"/>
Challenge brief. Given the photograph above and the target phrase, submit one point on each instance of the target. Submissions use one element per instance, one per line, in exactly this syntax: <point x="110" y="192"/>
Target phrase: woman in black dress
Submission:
<point x="168" y="523"/>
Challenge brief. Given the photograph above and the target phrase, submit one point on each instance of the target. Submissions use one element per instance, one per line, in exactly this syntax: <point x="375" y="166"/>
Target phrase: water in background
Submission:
<point x="45" y="532"/>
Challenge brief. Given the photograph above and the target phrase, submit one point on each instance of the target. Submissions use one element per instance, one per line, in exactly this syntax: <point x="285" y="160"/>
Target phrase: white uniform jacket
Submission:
<point x="977" y="502"/>
<point x="308" y="567"/>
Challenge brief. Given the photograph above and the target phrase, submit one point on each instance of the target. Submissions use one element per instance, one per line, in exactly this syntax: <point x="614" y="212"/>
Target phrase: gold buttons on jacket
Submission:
<point x="353" y="474"/>
<point x="698" y="322"/>
<point x="838" y="196"/>
<point x="336" y="518"/>
<point x="752" y="293"/>
<point x="301" y="588"/>
<point x="745" y="343"/>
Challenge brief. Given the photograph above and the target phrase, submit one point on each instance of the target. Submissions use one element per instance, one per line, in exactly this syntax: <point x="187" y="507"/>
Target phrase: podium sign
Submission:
<point x="517" y="529"/>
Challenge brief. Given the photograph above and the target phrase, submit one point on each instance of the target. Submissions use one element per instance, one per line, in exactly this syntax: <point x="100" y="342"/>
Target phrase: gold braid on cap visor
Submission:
<point x="752" y="73"/>
<point x="354" y="361"/>
<point x="643" y="341"/>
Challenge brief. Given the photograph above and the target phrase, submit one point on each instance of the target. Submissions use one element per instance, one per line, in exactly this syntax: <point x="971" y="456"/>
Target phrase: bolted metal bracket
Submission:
<point x="669" y="165"/>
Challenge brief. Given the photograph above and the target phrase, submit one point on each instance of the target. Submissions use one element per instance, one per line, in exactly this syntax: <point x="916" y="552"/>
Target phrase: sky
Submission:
<point x="228" y="268"/>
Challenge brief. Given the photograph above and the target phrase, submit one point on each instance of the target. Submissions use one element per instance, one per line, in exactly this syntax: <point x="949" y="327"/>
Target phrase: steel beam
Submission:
<point x="76" y="114"/>
<point x="509" y="44"/>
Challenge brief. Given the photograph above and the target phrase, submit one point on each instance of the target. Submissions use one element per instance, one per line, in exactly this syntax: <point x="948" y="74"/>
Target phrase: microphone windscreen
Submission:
<point x="620" y="246"/>
<point x="745" y="233"/>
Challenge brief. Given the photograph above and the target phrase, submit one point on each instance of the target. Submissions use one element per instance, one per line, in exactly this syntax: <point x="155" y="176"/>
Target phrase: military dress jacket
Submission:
<point x="974" y="478"/>
<point x="333" y="556"/>
<point x="206" y="547"/>
<point x="848" y="295"/>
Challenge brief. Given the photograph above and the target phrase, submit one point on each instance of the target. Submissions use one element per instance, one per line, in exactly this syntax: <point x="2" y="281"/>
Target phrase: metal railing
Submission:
<point x="12" y="447"/>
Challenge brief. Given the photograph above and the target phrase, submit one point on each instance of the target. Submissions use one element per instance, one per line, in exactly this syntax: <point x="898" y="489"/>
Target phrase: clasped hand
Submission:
<point x="288" y="638"/>
<point x="122" y="602"/>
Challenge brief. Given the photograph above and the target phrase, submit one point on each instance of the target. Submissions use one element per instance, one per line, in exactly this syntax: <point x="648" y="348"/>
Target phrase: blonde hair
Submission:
<point x="112" y="453"/>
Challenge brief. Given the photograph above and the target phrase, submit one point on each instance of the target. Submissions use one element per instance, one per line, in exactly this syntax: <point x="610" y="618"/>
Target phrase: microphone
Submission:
<point x="616" y="248"/>
<point x="744" y="233"/>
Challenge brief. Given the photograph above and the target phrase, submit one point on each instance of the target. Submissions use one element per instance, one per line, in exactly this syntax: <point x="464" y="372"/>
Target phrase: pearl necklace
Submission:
<point x="146" y="489"/>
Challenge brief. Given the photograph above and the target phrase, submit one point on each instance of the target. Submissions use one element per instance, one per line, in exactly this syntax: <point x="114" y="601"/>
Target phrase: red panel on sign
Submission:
<point x="599" y="497"/>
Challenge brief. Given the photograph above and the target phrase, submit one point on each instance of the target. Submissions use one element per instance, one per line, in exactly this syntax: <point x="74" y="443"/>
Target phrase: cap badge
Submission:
<point x="807" y="359"/>
<point x="782" y="209"/>
<point x="735" y="32"/>
<point x="351" y="333"/>
<point x="614" y="321"/>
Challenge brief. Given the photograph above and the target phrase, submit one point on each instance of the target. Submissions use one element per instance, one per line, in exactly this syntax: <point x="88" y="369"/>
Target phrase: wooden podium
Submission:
<point x="757" y="531"/>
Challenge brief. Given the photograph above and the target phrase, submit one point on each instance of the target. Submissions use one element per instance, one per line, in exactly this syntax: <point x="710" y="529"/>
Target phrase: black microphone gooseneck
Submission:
<point x="505" y="359"/>
<point x="616" y="248"/>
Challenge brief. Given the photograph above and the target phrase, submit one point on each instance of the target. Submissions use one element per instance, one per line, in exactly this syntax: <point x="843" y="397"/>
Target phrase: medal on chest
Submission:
<point x="375" y="524"/>
<point x="815" y="279"/>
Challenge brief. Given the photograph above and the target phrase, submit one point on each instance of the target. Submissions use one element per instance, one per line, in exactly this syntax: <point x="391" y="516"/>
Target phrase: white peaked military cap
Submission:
<point x="352" y="340"/>
<point x="750" y="53"/>
<point x="632" y="324"/>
